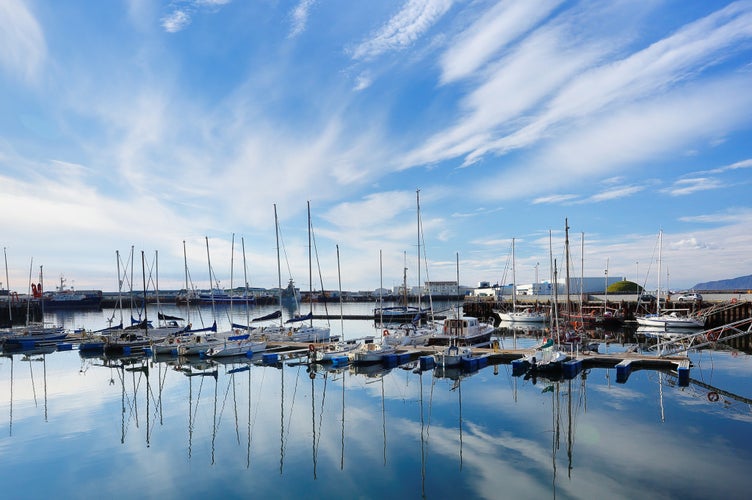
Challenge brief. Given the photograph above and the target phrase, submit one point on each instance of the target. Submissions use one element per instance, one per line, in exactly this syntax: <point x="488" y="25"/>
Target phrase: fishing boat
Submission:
<point x="68" y="298"/>
<point x="463" y="331"/>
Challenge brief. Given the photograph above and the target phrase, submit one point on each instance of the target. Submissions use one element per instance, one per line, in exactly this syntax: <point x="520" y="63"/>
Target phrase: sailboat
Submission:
<point x="453" y="354"/>
<point x="304" y="333"/>
<point x="404" y="313"/>
<point x="547" y="356"/>
<point x="668" y="319"/>
<point x="334" y="351"/>
<point x="232" y="342"/>
<point x="33" y="334"/>
<point x="528" y="314"/>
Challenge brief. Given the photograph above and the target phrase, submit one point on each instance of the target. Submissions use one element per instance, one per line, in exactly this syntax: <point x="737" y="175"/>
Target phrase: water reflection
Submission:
<point x="238" y="425"/>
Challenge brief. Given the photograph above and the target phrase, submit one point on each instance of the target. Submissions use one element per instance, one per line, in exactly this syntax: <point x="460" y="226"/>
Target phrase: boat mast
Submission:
<point x="156" y="286"/>
<point x="381" y="290"/>
<point x="566" y="257"/>
<point x="554" y="292"/>
<point x="341" y="311"/>
<point x="7" y="286"/>
<point x="310" y="269"/>
<point x="660" y="258"/>
<point x="211" y="284"/>
<point x="232" y="269"/>
<point x="143" y="277"/>
<point x="605" y="296"/>
<point x="245" y="279"/>
<point x="420" y="295"/>
<point x="187" y="290"/>
<point x="279" y="268"/>
<point x="514" y="281"/>
<point x="582" y="274"/>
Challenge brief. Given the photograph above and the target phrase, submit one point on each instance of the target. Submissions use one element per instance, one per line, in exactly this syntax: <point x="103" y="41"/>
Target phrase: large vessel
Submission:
<point x="68" y="298"/>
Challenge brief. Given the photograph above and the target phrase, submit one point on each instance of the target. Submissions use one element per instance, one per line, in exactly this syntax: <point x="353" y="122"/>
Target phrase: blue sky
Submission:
<point x="147" y="123"/>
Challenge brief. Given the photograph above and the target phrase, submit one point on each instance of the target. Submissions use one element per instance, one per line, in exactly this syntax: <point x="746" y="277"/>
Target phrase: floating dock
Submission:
<point x="624" y="362"/>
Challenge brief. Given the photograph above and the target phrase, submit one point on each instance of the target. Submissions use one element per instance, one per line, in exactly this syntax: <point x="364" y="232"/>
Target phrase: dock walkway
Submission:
<point x="624" y="362"/>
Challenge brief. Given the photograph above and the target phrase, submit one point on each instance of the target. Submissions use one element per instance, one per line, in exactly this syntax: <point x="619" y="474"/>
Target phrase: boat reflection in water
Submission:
<point x="230" y="426"/>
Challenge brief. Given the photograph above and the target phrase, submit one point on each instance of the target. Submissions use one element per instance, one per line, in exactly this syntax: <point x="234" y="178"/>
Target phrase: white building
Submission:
<point x="576" y="286"/>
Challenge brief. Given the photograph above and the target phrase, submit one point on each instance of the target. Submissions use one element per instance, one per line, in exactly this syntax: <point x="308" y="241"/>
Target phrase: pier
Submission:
<point x="624" y="362"/>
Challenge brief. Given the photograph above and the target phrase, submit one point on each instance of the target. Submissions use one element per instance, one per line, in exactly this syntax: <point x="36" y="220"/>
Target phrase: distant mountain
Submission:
<point x="740" y="283"/>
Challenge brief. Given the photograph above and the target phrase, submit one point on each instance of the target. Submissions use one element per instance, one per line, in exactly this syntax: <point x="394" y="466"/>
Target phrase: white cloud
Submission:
<point x="176" y="21"/>
<point x="557" y="77"/>
<point x="632" y="135"/>
<point x="300" y="17"/>
<point x="22" y="40"/>
<point x="685" y="187"/>
<point x="415" y="18"/>
<point x="180" y="18"/>
<point x="495" y="29"/>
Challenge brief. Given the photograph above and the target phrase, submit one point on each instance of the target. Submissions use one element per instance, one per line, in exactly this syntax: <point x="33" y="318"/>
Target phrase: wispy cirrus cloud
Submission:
<point x="559" y="75"/>
<point x="412" y="21"/>
<point x="299" y="17"/>
<point x="182" y="12"/>
<point x="22" y="40"/>
<point x="613" y="194"/>
<point x="684" y="187"/>
<point x="493" y="31"/>
<point x="555" y="198"/>
<point x="729" y="216"/>
<point x="734" y="166"/>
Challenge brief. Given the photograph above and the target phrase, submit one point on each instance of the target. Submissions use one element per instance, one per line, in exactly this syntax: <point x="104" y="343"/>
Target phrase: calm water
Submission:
<point x="76" y="427"/>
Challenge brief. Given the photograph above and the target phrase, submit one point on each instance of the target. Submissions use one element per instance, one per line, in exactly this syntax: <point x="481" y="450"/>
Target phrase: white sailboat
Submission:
<point x="668" y="319"/>
<point x="526" y="315"/>
<point x="304" y="333"/>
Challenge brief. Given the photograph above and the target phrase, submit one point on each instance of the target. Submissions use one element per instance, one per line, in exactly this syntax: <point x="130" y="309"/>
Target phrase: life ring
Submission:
<point x="311" y="347"/>
<point x="713" y="335"/>
<point x="713" y="396"/>
<point x="385" y="333"/>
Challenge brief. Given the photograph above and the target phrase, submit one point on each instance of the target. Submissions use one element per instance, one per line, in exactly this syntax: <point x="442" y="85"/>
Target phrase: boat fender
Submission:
<point x="311" y="348"/>
<point x="386" y="333"/>
<point x="312" y="375"/>
<point x="713" y="396"/>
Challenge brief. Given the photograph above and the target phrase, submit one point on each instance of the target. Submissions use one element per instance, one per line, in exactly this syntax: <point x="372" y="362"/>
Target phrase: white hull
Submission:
<point x="370" y="353"/>
<point x="671" y="321"/>
<point x="524" y="317"/>
<point x="236" y="348"/>
<point x="333" y="351"/>
<point x="546" y="359"/>
<point x="452" y="356"/>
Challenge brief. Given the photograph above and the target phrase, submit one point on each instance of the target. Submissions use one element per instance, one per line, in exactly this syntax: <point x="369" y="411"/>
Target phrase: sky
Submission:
<point x="174" y="129"/>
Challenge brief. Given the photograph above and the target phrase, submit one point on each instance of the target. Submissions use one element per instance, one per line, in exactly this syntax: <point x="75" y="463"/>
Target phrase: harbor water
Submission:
<point x="75" y="426"/>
